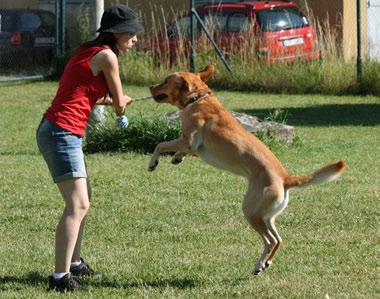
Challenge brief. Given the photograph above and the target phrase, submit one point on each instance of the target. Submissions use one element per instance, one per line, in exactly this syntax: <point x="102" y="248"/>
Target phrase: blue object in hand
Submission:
<point x="122" y="122"/>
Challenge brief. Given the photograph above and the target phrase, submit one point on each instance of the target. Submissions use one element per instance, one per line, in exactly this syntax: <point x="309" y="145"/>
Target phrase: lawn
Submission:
<point x="179" y="232"/>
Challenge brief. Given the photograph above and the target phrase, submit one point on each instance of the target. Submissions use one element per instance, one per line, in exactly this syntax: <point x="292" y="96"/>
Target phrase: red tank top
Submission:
<point x="77" y="93"/>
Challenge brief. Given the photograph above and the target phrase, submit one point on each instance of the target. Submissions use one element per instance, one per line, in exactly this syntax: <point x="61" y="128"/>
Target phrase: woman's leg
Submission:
<point x="76" y="255"/>
<point x="76" y="196"/>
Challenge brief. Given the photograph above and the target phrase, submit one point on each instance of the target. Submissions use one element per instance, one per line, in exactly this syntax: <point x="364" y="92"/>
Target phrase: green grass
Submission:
<point x="179" y="232"/>
<point x="327" y="76"/>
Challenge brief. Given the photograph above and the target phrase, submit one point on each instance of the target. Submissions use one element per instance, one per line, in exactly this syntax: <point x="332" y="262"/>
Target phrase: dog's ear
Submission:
<point x="206" y="73"/>
<point x="185" y="84"/>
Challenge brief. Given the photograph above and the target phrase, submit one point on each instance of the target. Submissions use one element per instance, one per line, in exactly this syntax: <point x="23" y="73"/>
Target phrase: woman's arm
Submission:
<point x="106" y="62"/>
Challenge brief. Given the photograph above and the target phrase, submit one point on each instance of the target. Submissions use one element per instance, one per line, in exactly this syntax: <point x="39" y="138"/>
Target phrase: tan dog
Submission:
<point x="210" y="132"/>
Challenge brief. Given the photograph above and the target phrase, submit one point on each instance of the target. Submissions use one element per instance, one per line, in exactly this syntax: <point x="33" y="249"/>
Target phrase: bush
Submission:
<point x="141" y="136"/>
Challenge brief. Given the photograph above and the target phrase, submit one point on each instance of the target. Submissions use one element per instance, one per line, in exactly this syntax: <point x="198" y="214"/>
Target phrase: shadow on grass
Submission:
<point x="325" y="115"/>
<point x="180" y="284"/>
<point x="172" y="283"/>
<point x="14" y="282"/>
<point x="35" y="279"/>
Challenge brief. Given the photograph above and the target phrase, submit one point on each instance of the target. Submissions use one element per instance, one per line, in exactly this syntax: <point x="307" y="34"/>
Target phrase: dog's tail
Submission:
<point x="325" y="174"/>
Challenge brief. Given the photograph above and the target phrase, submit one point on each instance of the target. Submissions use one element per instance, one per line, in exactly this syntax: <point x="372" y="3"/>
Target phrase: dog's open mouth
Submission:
<point x="160" y="97"/>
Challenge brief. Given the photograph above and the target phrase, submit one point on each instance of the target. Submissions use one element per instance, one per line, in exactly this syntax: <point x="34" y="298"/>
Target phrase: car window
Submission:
<point x="47" y="19"/>
<point x="281" y="18"/>
<point x="7" y="20"/>
<point x="215" y="22"/>
<point x="238" y="22"/>
<point x="179" y="28"/>
<point x="29" y="21"/>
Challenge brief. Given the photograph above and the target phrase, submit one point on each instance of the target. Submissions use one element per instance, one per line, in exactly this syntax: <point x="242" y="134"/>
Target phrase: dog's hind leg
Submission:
<point x="272" y="227"/>
<point x="260" y="209"/>
<point x="277" y="242"/>
<point x="272" y="242"/>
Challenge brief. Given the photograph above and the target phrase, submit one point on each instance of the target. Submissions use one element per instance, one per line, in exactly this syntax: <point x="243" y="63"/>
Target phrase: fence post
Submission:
<point x="359" y="64"/>
<point x="192" y="36"/>
<point x="193" y="13"/>
<point x="60" y="32"/>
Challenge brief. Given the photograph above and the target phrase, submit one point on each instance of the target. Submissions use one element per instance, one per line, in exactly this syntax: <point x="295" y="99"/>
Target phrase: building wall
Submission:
<point x="350" y="28"/>
<point x="18" y="3"/>
<point x="153" y="13"/>
<point x="341" y="17"/>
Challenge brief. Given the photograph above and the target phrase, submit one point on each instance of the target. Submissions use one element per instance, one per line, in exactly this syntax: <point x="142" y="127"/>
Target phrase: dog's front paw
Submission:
<point x="176" y="161"/>
<point x="178" y="158"/>
<point x="152" y="165"/>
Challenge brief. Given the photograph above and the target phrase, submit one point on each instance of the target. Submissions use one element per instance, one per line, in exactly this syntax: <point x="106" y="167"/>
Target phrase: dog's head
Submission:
<point x="180" y="89"/>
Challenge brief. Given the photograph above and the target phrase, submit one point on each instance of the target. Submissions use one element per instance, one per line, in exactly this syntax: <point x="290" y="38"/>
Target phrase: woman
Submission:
<point x="91" y="74"/>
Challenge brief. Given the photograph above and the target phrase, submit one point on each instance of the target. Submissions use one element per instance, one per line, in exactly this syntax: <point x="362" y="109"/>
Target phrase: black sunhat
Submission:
<point x="119" y="18"/>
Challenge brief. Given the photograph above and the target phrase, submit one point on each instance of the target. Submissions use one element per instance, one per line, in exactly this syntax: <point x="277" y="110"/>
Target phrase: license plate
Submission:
<point x="293" y="42"/>
<point x="44" y="40"/>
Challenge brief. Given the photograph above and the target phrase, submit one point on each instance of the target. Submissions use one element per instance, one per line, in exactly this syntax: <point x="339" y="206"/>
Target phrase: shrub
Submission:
<point x="142" y="135"/>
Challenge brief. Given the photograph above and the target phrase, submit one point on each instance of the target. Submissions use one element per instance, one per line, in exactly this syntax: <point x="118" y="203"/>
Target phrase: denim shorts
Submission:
<point x="62" y="151"/>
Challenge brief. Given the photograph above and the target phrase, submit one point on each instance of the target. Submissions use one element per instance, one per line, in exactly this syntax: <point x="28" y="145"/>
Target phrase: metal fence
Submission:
<point x="373" y="28"/>
<point x="37" y="56"/>
<point x="31" y="41"/>
<point x="356" y="22"/>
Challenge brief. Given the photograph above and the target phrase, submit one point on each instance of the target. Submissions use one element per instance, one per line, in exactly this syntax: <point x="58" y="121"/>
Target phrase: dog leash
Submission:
<point x="143" y="98"/>
<point x="122" y="121"/>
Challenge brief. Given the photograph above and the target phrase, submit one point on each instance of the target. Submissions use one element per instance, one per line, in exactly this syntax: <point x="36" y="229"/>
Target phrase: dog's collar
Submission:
<point x="196" y="98"/>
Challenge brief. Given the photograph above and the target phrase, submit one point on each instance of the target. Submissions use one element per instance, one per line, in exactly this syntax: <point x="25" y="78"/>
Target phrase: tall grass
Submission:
<point x="331" y="74"/>
<point x="316" y="77"/>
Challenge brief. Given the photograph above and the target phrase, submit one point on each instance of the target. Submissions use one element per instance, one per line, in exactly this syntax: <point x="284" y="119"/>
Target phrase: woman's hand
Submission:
<point x="106" y="100"/>
<point x="129" y="100"/>
<point x="121" y="110"/>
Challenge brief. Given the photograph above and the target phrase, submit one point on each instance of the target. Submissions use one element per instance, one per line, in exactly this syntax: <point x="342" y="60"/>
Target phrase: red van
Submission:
<point x="276" y="31"/>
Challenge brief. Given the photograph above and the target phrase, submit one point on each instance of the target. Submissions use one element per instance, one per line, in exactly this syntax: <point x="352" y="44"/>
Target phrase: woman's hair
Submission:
<point x="104" y="39"/>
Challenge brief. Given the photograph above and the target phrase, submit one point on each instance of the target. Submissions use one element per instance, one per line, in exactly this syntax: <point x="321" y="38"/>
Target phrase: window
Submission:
<point x="238" y="22"/>
<point x="179" y="28"/>
<point x="215" y="22"/>
<point x="7" y="21"/>
<point x="29" y="21"/>
<point x="281" y="18"/>
<point x="47" y="19"/>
